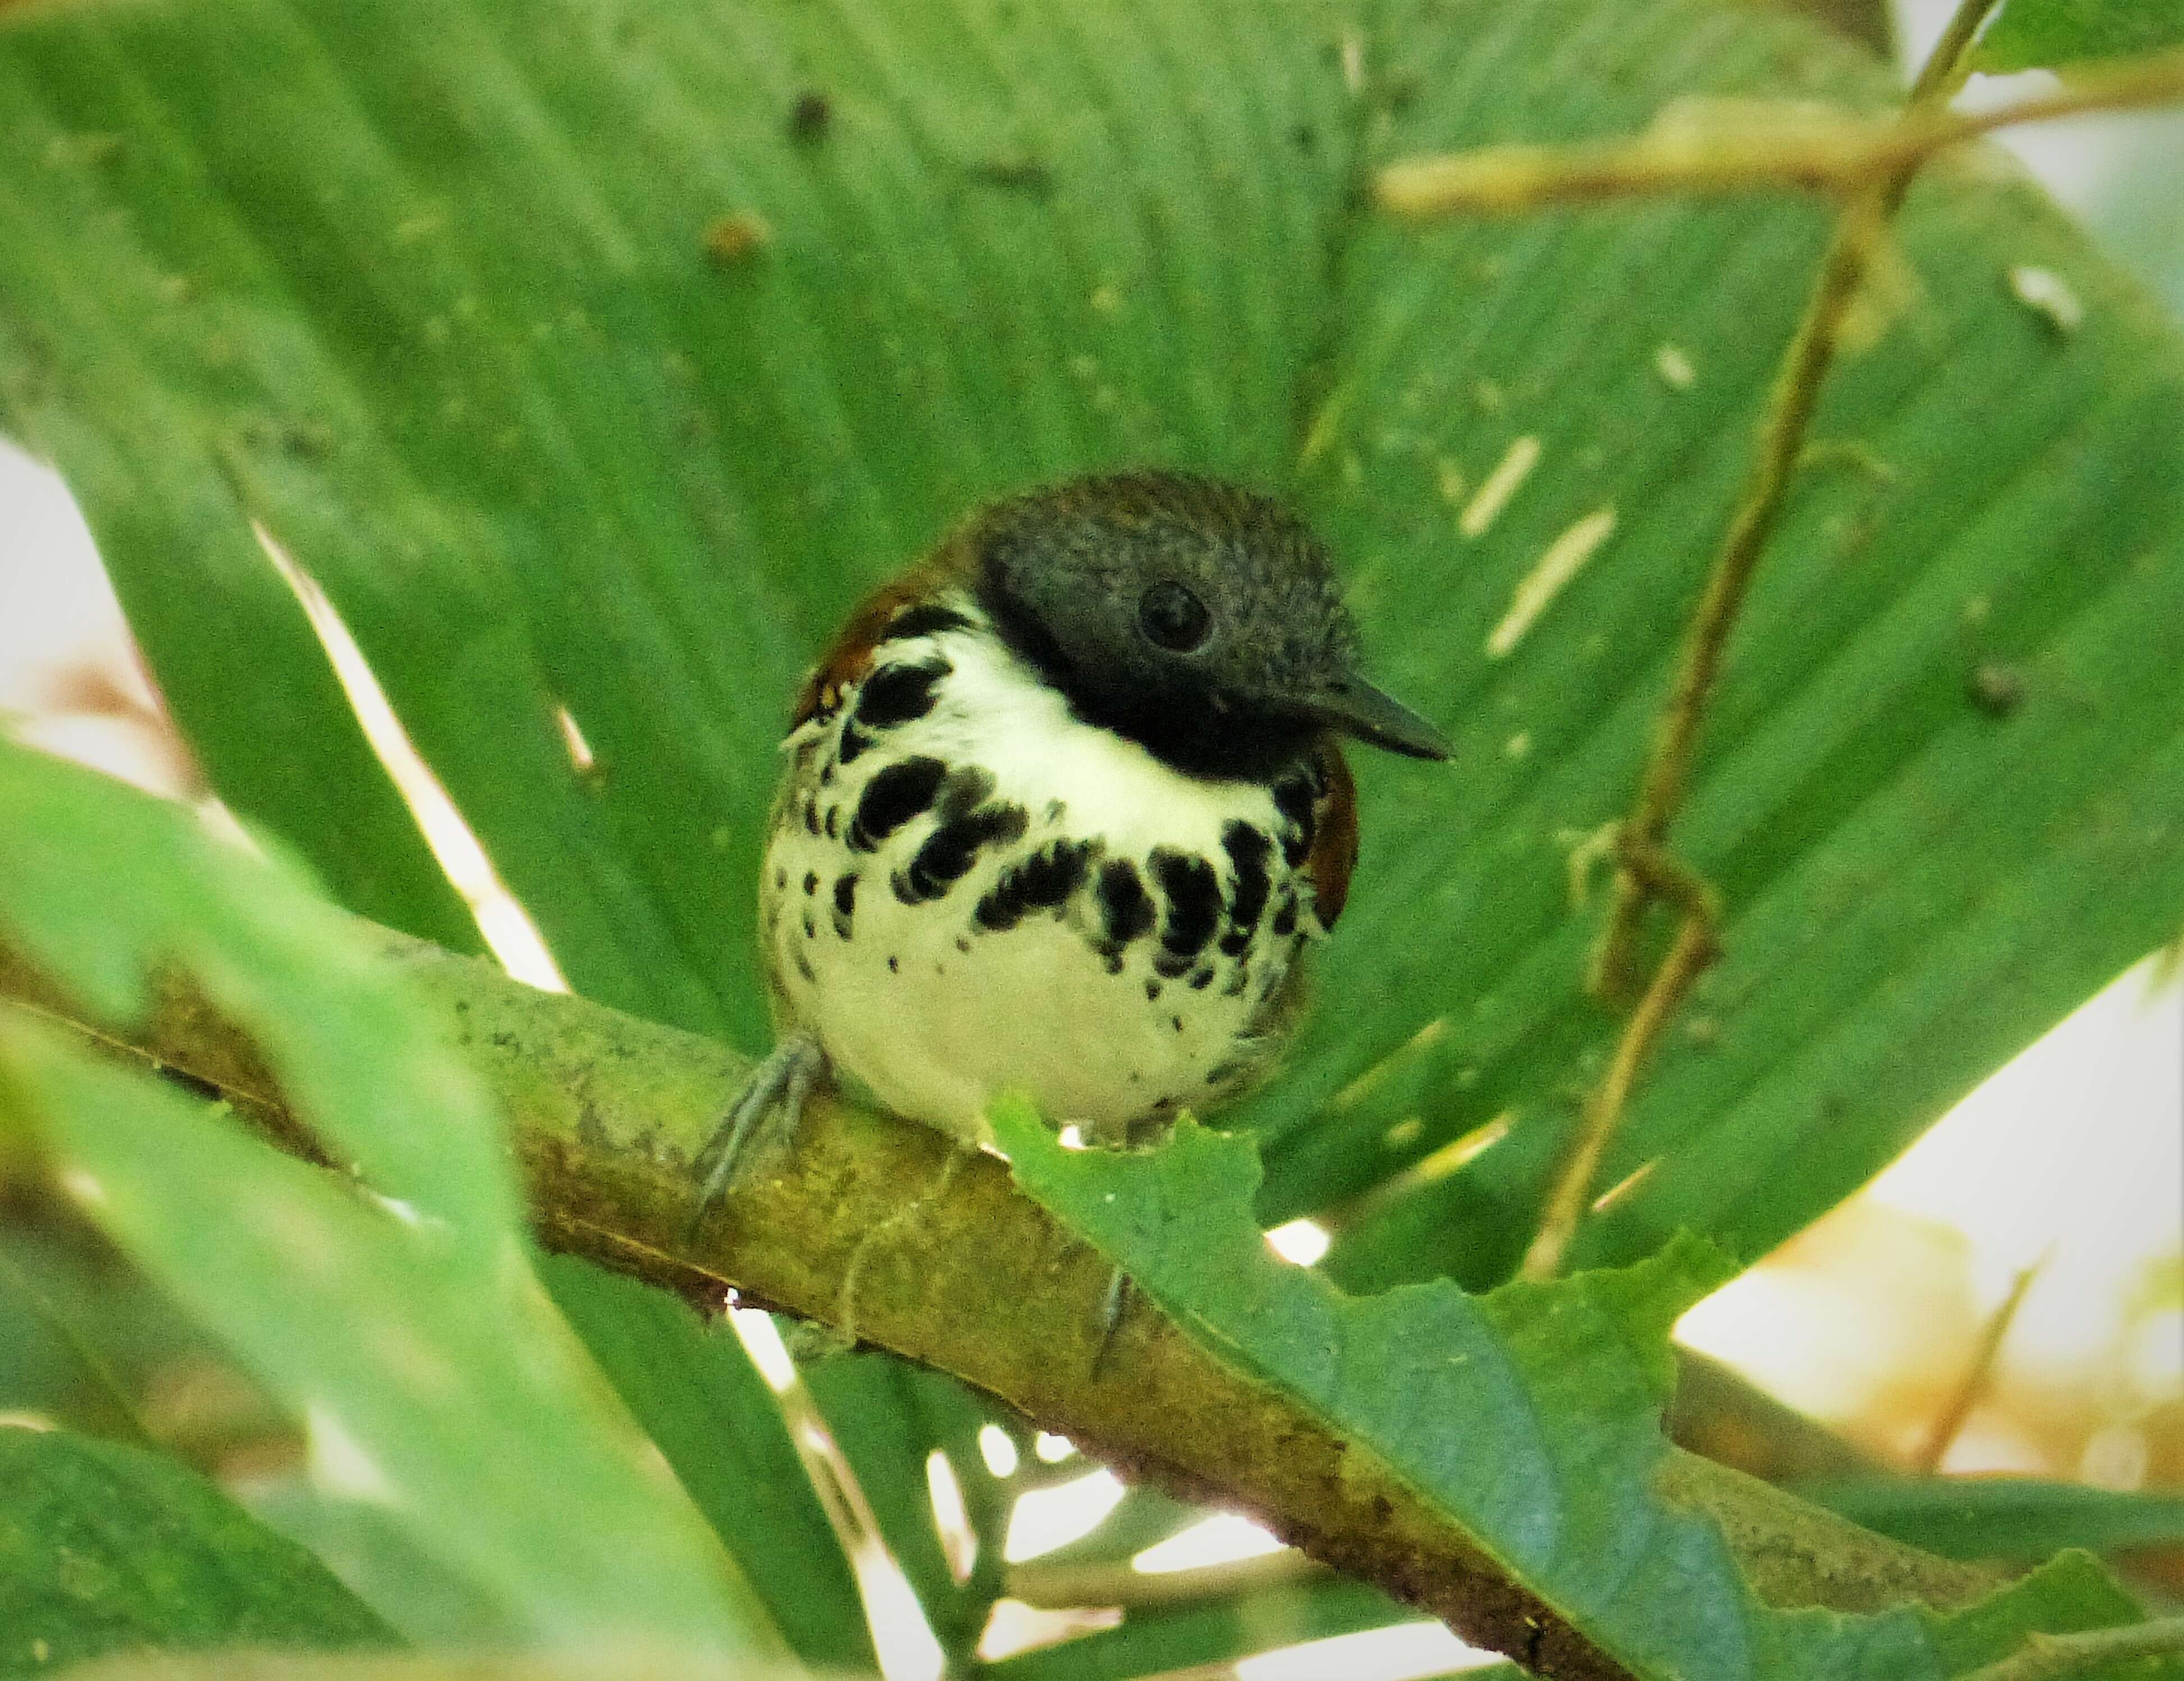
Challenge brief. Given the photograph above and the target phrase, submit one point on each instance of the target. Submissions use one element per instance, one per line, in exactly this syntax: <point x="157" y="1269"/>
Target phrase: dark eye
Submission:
<point x="1174" y="618"/>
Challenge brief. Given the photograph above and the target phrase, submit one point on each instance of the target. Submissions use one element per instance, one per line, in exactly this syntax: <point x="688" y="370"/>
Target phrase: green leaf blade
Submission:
<point x="709" y="1411"/>
<point x="107" y="1548"/>
<point x="337" y="1033"/>
<point x="1881" y="840"/>
<point x="1554" y="1472"/>
<point x="2004" y="1517"/>
<point x="2054" y="34"/>
<point x="430" y="1373"/>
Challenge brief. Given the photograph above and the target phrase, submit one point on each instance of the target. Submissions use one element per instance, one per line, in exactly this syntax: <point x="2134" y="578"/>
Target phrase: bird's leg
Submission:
<point x="1134" y="1134"/>
<point x="1112" y="1306"/>
<point x="779" y="1084"/>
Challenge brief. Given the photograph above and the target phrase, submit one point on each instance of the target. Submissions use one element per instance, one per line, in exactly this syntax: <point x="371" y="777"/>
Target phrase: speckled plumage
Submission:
<point x="1063" y="807"/>
<point x="992" y="894"/>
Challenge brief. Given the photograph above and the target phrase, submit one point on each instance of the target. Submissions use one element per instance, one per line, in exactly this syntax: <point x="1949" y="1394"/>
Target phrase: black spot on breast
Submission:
<point x="854" y="742"/>
<point x="896" y="794"/>
<point x="1126" y="909"/>
<point x="894" y="965"/>
<point x="1236" y="944"/>
<point x="965" y="790"/>
<point x="1248" y="849"/>
<point x="950" y="850"/>
<point x="1043" y="882"/>
<point x="780" y="878"/>
<point x="810" y="928"/>
<point x="804" y="968"/>
<point x="895" y="694"/>
<point x="1152" y="990"/>
<point x="811" y="816"/>
<point x="928" y="618"/>
<point x="1294" y="796"/>
<point x="846" y="902"/>
<point x="833" y="821"/>
<point x="1193" y="899"/>
<point x="1286" y="919"/>
<point x="812" y="881"/>
<point x="1200" y="979"/>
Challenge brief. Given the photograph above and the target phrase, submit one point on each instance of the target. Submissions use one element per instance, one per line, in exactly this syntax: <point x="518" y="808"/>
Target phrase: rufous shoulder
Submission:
<point x="1334" y="854"/>
<point x="877" y="618"/>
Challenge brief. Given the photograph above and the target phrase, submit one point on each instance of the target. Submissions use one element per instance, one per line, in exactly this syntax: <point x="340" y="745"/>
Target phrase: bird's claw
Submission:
<point x="780" y="1084"/>
<point x="1112" y="1306"/>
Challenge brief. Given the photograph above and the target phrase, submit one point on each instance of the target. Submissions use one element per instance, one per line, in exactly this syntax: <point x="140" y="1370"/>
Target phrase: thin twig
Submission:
<point x="1834" y="157"/>
<point x="1648" y="872"/>
<point x="1782" y="438"/>
<point x="1693" y="951"/>
<point x="1858" y="233"/>
<point x="1949" y="60"/>
<point x="1949" y="1422"/>
<point x="2048" y="1658"/>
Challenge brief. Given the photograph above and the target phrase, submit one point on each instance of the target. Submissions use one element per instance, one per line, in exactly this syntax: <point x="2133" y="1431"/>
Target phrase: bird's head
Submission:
<point x="1196" y="617"/>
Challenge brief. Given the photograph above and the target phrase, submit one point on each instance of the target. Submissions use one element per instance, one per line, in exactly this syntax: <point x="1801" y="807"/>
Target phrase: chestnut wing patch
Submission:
<point x="902" y="608"/>
<point x="1331" y="847"/>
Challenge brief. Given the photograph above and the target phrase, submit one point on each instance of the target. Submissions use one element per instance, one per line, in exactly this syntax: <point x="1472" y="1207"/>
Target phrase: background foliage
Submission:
<point x="442" y="299"/>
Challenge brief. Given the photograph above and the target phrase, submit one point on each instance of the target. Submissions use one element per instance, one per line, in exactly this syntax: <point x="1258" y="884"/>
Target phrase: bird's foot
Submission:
<point x="1112" y="1306"/>
<point x="777" y="1085"/>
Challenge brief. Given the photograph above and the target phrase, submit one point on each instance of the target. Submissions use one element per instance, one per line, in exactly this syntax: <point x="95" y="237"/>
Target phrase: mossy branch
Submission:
<point x="951" y="1266"/>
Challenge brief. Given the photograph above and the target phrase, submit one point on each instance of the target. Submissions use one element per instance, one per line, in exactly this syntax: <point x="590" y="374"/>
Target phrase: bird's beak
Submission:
<point x="1356" y="708"/>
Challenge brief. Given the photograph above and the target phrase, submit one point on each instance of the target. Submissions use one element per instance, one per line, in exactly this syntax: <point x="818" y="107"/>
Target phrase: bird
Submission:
<point x="1064" y="806"/>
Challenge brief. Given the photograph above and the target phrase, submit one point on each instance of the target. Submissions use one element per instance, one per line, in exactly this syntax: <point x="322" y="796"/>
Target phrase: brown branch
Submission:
<point x="1836" y="157"/>
<point x="606" y="1112"/>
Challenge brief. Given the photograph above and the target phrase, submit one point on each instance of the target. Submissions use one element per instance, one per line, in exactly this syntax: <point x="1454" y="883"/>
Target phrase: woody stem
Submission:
<point x="956" y="1269"/>
<point x="1646" y="871"/>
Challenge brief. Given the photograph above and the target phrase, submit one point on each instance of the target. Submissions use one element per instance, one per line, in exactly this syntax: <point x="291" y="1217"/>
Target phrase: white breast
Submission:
<point x="918" y="994"/>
